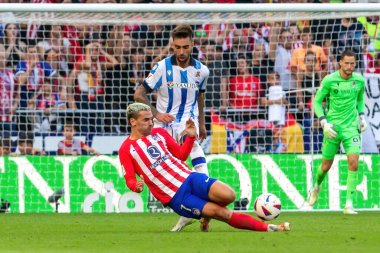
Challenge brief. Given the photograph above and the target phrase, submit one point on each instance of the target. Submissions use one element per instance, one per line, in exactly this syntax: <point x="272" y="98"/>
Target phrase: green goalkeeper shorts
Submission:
<point x="351" y="142"/>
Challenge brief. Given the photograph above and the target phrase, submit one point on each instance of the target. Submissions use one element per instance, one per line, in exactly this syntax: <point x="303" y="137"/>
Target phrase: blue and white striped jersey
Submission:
<point x="177" y="88"/>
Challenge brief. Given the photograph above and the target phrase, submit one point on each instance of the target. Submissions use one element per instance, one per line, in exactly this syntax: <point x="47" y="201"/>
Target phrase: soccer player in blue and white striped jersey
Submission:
<point x="180" y="82"/>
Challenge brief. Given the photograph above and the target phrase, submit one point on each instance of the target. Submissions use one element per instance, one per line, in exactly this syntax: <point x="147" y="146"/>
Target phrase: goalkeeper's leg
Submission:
<point x="352" y="146"/>
<point x="329" y="149"/>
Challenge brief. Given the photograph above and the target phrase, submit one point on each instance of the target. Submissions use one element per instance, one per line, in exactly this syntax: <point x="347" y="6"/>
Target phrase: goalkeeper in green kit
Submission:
<point x="342" y="119"/>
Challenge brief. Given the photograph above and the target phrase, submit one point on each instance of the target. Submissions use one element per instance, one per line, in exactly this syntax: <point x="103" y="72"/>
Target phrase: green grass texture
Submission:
<point x="143" y="232"/>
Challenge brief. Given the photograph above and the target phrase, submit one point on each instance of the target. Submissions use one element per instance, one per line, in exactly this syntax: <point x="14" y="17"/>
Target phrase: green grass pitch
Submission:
<point x="311" y="232"/>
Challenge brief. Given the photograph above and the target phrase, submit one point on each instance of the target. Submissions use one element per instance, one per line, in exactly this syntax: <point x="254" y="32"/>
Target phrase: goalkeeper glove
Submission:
<point x="328" y="129"/>
<point x="362" y="123"/>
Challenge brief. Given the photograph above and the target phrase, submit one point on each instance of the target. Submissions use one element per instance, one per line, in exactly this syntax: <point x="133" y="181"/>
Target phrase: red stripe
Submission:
<point x="178" y="164"/>
<point x="163" y="179"/>
<point x="156" y="191"/>
<point x="154" y="188"/>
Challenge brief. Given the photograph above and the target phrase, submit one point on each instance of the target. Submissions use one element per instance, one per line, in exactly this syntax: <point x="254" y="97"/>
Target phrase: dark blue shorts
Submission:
<point x="192" y="196"/>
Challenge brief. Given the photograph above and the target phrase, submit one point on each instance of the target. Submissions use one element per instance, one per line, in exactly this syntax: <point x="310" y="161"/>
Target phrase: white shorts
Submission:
<point x="175" y="129"/>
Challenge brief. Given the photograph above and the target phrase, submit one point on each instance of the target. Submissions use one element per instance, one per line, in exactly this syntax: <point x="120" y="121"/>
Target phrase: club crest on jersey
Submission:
<point x="198" y="74"/>
<point x="353" y="84"/>
<point x="170" y="85"/>
<point x="154" y="152"/>
<point x="196" y="211"/>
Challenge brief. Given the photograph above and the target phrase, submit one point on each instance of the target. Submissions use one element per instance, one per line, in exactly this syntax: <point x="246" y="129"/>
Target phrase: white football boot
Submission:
<point x="313" y="196"/>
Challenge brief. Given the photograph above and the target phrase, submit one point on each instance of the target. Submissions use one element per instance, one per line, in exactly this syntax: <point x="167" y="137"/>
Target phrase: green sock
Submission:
<point x="320" y="175"/>
<point x="352" y="179"/>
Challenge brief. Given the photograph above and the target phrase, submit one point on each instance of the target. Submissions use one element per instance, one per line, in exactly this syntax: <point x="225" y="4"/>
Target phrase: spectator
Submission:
<point x="216" y="90"/>
<point x="71" y="146"/>
<point x="9" y="95"/>
<point x="46" y="100"/>
<point x="261" y="64"/>
<point x="347" y="35"/>
<point x="244" y="90"/>
<point x="309" y="80"/>
<point x="280" y="51"/>
<point x="30" y="75"/>
<point x="25" y="145"/>
<point x="372" y="28"/>
<point x="152" y="39"/>
<point x="275" y="100"/>
<point x="90" y="87"/>
<point x="54" y="42"/>
<point x="5" y="145"/>
<point x="298" y="56"/>
<point x="118" y="88"/>
<point x="332" y="63"/>
<point x="14" y="47"/>
<point x="78" y="36"/>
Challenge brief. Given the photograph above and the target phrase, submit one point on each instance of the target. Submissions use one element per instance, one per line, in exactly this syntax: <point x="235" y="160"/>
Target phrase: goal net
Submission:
<point x="69" y="72"/>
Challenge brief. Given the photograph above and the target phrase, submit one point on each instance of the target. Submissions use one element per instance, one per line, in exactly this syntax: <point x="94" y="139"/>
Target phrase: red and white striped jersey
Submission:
<point x="75" y="145"/>
<point x="159" y="159"/>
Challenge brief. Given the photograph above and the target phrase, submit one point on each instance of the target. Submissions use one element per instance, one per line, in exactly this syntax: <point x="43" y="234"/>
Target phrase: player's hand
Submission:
<point x="165" y="117"/>
<point x="362" y="123"/>
<point x="328" y="129"/>
<point x="190" y="129"/>
<point x="202" y="133"/>
<point x="140" y="184"/>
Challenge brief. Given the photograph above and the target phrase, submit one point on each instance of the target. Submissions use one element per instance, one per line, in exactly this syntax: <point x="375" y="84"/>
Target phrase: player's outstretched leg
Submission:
<point x="244" y="221"/>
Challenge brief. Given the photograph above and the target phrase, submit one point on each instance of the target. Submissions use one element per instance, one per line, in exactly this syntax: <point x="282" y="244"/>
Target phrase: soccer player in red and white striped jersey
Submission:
<point x="159" y="161"/>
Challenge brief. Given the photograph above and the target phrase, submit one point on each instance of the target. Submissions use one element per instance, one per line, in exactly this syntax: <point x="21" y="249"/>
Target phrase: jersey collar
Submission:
<point x="173" y="61"/>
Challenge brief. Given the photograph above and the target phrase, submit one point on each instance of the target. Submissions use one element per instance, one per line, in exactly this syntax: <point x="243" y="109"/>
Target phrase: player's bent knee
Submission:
<point x="231" y="195"/>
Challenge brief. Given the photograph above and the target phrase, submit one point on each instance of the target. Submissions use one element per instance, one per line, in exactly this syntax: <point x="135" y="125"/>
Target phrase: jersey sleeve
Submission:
<point x="181" y="152"/>
<point x="322" y="92"/>
<point x="202" y="86"/>
<point x="154" y="80"/>
<point x="126" y="163"/>
<point x="360" y="99"/>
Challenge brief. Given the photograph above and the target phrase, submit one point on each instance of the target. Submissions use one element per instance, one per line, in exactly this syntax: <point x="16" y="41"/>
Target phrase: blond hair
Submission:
<point x="134" y="109"/>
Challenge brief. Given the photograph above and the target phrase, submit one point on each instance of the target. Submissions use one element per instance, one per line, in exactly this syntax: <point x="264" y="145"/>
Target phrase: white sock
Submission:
<point x="201" y="168"/>
<point x="349" y="204"/>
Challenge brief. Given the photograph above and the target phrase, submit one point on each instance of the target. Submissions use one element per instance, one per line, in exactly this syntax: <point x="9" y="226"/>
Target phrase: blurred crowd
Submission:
<point x="88" y="73"/>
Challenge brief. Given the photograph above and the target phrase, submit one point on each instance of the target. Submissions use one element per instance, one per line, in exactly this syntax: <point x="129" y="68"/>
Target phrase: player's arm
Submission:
<point x="64" y="151"/>
<point x="361" y="109"/>
<point x="323" y="91"/>
<point x="141" y="95"/>
<point x="201" y="106"/>
<point x="129" y="176"/>
<point x="90" y="150"/>
<point x="151" y="83"/>
<point x="201" y="117"/>
<point x="181" y="152"/>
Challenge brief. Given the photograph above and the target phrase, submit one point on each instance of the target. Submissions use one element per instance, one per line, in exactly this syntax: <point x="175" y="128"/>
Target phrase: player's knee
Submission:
<point x="230" y="196"/>
<point x="353" y="165"/>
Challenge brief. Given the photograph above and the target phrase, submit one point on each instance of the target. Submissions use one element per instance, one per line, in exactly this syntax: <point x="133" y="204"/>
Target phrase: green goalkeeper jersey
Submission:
<point x="344" y="100"/>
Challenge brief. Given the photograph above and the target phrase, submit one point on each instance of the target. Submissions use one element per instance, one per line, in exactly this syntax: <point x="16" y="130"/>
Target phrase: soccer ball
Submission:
<point x="267" y="206"/>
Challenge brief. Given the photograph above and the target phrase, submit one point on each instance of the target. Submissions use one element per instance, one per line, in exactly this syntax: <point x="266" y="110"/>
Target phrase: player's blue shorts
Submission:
<point x="192" y="196"/>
